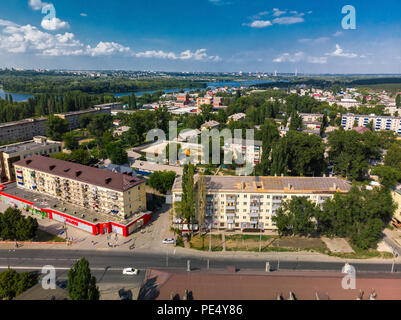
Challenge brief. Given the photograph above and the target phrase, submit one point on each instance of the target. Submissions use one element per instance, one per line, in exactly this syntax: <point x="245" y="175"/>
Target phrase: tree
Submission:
<point x="81" y="284"/>
<point x="206" y="111"/>
<point x="14" y="226"/>
<point x="61" y="156"/>
<point x="364" y="101"/>
<point x="392" y="157"/>
<point x="296" y="121"/>
<point x="81" y="156"/>
<point x="70" y="141"/>
<point x="398" y="100"/>
<point x="132" y="102"/>
<point x="56" y="127"/>
<point x="350" y="152"/>
<point x="201" y="199"/>
<point x="162" y="181"/>
<point x="84" y="120"/>
<point x="359" y="215"/>
<point x="389" y="177"/>
<point x="116" y="153"/>
<point x="295" y="216"/>
<point x="13" y="284"/>
<point x="99" y="124"/>
<point x="298" y="154"/>
<point x="270" y="135"/>
<point x="187" y="207"/>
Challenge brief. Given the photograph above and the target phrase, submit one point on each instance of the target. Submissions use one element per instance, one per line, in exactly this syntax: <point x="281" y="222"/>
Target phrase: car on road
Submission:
<point x="169" y="241"/>
<point x="62" y="284"/>
<point x="130" y="271"/>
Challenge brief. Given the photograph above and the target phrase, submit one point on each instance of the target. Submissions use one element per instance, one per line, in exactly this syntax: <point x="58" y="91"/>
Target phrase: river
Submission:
<point x="19" y="97"/>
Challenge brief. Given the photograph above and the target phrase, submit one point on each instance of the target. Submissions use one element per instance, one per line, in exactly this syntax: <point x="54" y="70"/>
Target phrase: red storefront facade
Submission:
<point x="93" y="228"/>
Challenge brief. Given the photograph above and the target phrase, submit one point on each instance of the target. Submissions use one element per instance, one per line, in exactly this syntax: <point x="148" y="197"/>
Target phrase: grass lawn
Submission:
<point x="43" y="236"/>
<point x="273" y="243"/>
<point x="202" y="242"/>
<point x="362" y="254"/>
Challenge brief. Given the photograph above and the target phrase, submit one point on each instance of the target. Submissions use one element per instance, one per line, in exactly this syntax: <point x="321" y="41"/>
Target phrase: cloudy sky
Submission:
<point x="201" y="35"/>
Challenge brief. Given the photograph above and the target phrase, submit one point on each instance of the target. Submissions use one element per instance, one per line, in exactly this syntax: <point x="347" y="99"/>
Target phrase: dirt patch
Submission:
<point x="338" y="245"/>
<point x="271" y="243"/>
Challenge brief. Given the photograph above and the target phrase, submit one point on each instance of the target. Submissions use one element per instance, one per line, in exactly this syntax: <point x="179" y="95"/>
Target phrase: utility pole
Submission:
<point x="188" y="265"/>
<point x="210" y="237"/>
<point x="260" y="240"/>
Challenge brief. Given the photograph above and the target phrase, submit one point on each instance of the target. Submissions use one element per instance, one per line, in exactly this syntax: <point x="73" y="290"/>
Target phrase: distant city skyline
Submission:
<point x="201" y="36"/>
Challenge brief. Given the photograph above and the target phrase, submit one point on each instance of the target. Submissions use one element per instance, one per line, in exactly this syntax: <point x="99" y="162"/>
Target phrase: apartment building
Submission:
<point x="73" y="117"/>
<point x="205" y="100"/>
<point x="311" y="117"/>
<point x="26" y="129"/>
<point x="112" y="106"/>
<point x="379" y="122"/>
<point x="243" y="203"/>
<point x="101" y="191"/>
<point x="12" y="153"/>
<point x="239" y="146"/>
<point x="236" y="117"/>
<point x="22" y="130"/>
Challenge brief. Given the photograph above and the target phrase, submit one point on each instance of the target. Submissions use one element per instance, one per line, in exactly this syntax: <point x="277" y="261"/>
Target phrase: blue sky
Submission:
<point x="202" y="35"/>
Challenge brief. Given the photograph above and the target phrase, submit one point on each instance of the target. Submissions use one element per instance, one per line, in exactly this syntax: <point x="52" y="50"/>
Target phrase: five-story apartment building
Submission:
<point x="240" y="203"/>
<point x="102" y="191"/>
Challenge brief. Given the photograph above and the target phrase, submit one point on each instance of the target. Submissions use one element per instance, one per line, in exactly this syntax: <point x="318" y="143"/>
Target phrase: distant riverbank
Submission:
<point x="20" y="97"/>
<point x="211" y="85"/>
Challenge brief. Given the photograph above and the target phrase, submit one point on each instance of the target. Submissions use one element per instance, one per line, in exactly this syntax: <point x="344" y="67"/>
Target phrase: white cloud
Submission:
<point x="339" y="52"/>
<point x="337" y="34"/>
<point x="37" y="4"/>
<point x="260" y="24"/>
<point x="198" y="55"/>
<point x="15" y="38"/>
<point x="6" y="23"/>
<point x="288" y="20"/>
<point x="54" y="24"/>
<point x="107" y="48"/>
<point x="219" y="2"/>
<point x="317" y="60"/>
<point x="316" y="40"/>
<point x="277" y="12"/>
<point x="286" y="57"/>
<point x="291" y="18"/>
<point x="29" y="39"/>
<point x="299" y="56"/>
<point x="83" y="14"/>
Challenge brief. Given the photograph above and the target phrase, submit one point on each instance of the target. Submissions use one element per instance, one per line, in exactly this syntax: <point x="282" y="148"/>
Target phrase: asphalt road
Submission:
<point x="110" y="264"/>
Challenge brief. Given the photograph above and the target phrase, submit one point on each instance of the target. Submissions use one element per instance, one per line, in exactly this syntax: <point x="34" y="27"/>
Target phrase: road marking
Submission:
<point x="58" y="268"/>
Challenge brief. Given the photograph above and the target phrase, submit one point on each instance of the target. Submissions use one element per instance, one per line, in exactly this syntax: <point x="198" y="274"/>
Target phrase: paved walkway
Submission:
<point x="149" y="240"/>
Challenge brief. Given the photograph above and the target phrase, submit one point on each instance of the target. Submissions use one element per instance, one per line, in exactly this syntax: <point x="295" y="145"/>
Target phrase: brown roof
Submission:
<point x="271" y="184"/>
<point x="79" y="172"/>
<point x="305" y="285"/>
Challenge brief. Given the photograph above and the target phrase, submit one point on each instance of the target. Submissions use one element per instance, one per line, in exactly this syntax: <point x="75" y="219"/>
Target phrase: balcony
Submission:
<point x="254" y="215"/>
<point x="230" y="208"/>
<point x="231" y="215"/>
<point x="277" y="201"/>
<point x="231" y="198"/>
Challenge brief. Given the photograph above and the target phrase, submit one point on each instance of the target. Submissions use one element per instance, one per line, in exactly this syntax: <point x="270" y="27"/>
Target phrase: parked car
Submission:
<point x="169" y="241"/>
<point x="131" y="271"/>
